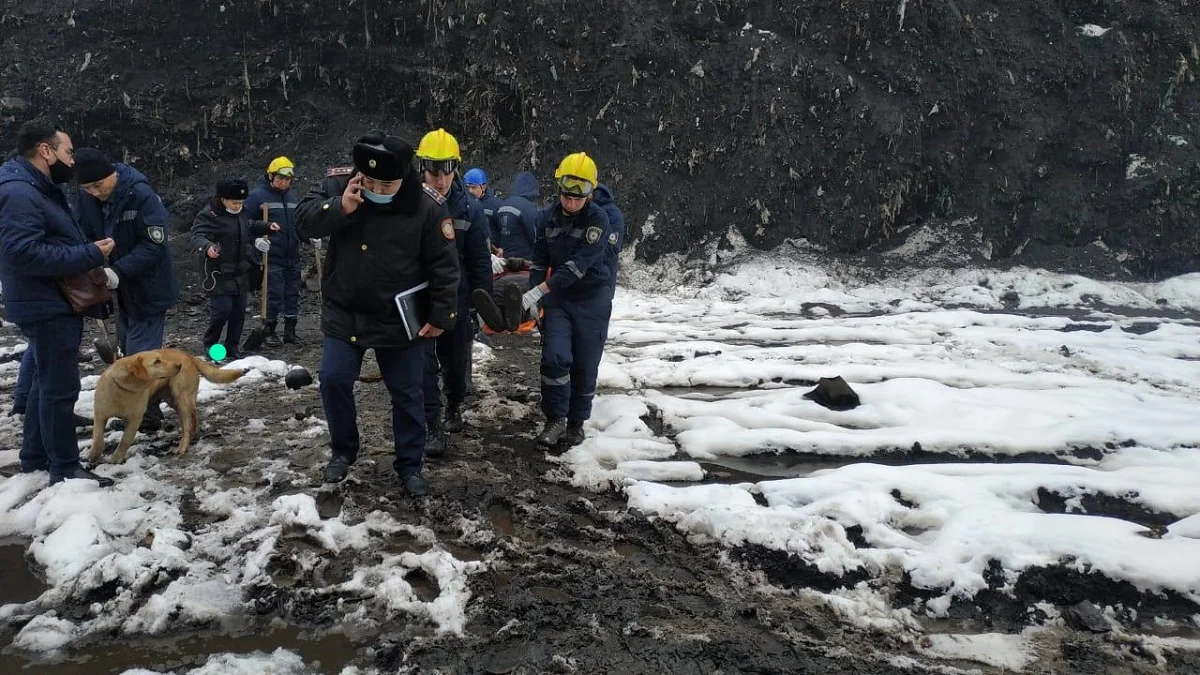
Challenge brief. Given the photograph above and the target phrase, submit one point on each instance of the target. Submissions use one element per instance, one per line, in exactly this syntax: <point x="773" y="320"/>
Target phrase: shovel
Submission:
<point x="104" y="346"/>
<point x="257" y="336"/>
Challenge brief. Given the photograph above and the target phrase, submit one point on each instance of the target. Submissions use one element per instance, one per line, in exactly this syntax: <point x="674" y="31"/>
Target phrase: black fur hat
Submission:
<point x="382" y="157"/>
<point x="233" y="188"/>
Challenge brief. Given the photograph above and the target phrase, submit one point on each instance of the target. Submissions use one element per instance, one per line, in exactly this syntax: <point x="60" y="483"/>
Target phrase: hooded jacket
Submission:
<point x="281" y="208"/>
<point x="517" y="218"/>
<point x="616" y="228"/>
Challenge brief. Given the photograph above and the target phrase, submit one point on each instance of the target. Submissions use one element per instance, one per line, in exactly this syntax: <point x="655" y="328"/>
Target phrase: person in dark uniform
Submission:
<point x="572" y="242"/>
<point x="439" y="159"/>
<point x="476" y="181"/>
<point x="283" y="267"/>
<point x="604" y="198"/>
<point x="387" y="235"/>
<point x="516" y="219"/>
<point x="222" y="234"/>
<point x="116" y="200"/>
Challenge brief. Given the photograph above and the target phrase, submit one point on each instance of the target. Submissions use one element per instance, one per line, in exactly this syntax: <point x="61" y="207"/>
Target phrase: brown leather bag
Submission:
<point x="86" y="290"/>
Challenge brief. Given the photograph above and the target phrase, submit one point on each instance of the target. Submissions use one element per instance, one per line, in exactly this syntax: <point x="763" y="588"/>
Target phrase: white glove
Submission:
<point x="316" y="243"/>
<point x="497" y="265"/>
<point x="113" y="280"/>
<point x="263" y="244"/>
<point x="530" y="300"/>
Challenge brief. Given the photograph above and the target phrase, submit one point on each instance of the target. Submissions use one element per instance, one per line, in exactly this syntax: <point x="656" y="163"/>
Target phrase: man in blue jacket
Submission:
<point x="450" y="353"/>
<point x="477" y="184"/>
<point x="516" y="219"/>
<point x="572" y="247"/>
<point x="40" y="243"/>
<point x="284" y="266"/>
<point x="603" y="196"/>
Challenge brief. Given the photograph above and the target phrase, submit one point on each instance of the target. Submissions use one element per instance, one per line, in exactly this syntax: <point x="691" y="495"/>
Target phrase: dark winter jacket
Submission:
<point x="138" y="223"/>
<point x="516" y="219"/>
<point x="491" y="204"/>
<point x="470" y="240"/>
<point x="377" y="252"/>
<point x="574" y="248"/>
<point x="603" y="196"/>
<point x="40" y="242"/>
<point x="281" y="208"/>
<point x="227" y="274"/>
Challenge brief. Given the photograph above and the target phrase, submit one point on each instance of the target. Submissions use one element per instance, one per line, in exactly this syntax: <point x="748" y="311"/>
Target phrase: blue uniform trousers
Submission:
<point x="139" y="335"/>
<point x="49" y="432"/>
<point x="448" y="355"/>
<point x="573" y="335"/>
<point x="24" y="382"/>
<point x="283" y="291"/>
<point x="226" y="310"/>
<point x="401" y="367"/>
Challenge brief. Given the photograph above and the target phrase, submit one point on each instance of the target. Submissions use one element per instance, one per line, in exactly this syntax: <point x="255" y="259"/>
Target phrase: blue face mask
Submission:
<point x="376" y="198"/>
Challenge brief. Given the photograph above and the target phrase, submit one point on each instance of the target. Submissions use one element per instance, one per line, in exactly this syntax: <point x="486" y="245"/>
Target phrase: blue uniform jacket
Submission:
<point x="281" y="208"/>
<point x="470" y="240"/>
<point x="138" y="223"/>
<point x="39" y="243"/>
<point x="491" y="203"/>
<point x="616" y="227"/>
<point x="517" y="217"/>
<point x="574" y="248"/>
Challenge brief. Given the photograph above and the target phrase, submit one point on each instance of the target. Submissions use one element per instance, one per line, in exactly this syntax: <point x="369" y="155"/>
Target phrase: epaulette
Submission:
<point x="433" y="193"/>
<point x="339" y="171"/>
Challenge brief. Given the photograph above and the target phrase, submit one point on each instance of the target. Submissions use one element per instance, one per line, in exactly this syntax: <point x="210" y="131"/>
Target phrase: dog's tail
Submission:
<point x="218" y="375"/>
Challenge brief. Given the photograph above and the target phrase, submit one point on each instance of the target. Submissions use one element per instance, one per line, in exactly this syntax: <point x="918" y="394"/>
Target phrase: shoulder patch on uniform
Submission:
<point x="339" y="171"/>
<point x="448" y="229"/>
<point x="436" y="197"/>
<point x="593" y="234"/>
<point x="157" y="234"/>
<point x="612" y="239"/>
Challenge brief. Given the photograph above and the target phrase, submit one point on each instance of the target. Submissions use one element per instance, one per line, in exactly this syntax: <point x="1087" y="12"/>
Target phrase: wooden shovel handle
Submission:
<point x="266" y="257"/>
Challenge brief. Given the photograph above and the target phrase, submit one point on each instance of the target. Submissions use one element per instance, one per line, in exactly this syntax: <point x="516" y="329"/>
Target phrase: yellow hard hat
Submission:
<point x="281" y="165"/>
<point x="438" y="145"/>
<point x="576" y="174"/>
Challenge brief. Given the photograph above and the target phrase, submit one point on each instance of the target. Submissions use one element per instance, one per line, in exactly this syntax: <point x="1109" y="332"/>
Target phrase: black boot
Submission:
<point x="488" y="311"/>
<point x="552" y="433"/>
<point x="289" y="331"/>
<point x="272" y="340"/>
<point x="337" y="469"/>
<point x="82" y="474"/>
<point x="435" y="440"/>
<point x="415" y="485"/>
<point x="514" y="313"/>
<point x="574" y="435"/>
<point x="454" y="420"/>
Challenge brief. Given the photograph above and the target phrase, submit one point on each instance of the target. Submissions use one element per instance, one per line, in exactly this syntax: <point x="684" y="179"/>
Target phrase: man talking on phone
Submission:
<point x="387" y="235"/>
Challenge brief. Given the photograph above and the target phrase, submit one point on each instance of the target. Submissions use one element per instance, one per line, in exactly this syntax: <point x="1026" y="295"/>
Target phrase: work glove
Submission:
<point x="263" y="244"/>
<point x="529" y="301"/>
<point x="316" y="243"/>
<point x="113" y="279"/>
<point x="497" y="265"/>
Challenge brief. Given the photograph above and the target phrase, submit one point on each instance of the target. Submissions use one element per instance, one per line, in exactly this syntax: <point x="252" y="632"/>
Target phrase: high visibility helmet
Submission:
<point x="475" y="176"/>
<point x="438" y="145"/>
<point x="281" y="165"/>
<point x="576" y="175"/>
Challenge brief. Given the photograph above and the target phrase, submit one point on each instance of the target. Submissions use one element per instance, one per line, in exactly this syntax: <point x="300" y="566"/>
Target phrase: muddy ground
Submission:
<point x="574" y="581"/>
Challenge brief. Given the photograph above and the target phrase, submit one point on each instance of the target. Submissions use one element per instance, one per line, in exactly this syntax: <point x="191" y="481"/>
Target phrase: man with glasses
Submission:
<point x="572" y="247"/>
<point x="387" y="236"/>
<point x="283" y="267"/>
<point x="439" y="159"/>
<point x="40" y="243"/>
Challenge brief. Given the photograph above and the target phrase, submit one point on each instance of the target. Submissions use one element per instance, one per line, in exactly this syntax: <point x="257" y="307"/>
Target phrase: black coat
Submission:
<point x="228" y="274"/>
<point x="377" y="252"/>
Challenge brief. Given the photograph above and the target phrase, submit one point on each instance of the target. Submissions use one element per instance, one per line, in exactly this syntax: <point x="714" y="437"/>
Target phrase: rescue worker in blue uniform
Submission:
<point x="40" y="242"/>
<point x="116" y="201"/>
<point x="572" y="244"/>
<point x="603" y="196"/>
<point x="477" y="184"/>
<point x="387" y="235"/>
<point x="450" y="354"/>
<point x="283" y="263"/>
<point x="516" y="219"/>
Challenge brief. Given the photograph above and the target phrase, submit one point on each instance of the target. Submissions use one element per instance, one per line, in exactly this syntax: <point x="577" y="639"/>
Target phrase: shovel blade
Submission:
<point x="104" y="350"/>
<point x="255" y="339"/>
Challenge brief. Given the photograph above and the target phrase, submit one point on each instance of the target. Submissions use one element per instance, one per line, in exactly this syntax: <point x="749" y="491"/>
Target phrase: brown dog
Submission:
<point x="129" y="384"/>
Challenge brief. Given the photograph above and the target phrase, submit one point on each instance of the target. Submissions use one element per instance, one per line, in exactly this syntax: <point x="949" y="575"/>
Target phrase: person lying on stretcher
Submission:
<point x="501" y="311"/>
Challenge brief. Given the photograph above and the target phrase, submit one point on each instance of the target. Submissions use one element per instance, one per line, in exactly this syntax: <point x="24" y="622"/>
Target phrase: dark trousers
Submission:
<point x="24" y="381"/>
<point x="401" y="367"/>
<point x="283" y="290"/>
<point x="448" y="355"/>
<point x="227" y="310"/>
<point x="141" y="334"/>
<point x="573" y="334"/>
<point x="49" y="433"/>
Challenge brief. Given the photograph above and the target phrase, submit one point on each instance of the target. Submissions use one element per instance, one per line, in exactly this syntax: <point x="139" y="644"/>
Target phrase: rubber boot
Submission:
<point x="289" y="331"/>
<point x="272" y="339"/>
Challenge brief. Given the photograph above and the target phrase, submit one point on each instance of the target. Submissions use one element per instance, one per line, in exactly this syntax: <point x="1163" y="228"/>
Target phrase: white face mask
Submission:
<point x="234" y="212"/>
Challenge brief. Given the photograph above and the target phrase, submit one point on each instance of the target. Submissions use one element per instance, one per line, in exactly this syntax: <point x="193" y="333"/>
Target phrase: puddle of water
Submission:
<point x="20" y="583"/>
<point x="754" y="468"/>
<point x="502" y="519"/>
<point x="463" y="553"/>
<point x="626" y="549"/>
<point x="334" y="652"/>
<point x="423" y="585"/>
